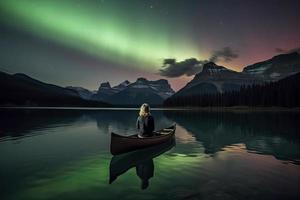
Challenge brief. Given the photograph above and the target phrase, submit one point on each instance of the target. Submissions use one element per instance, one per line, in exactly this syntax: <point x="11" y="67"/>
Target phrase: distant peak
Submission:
<point x="126" y="82"/>
<point x="162" y="81"/>
<point x="105" y="85"/>
<point x="292" y="55"/>
<point x="211" y="65"/>
<point x="26" y="77"/>
<point x="21" y="75"/>
<point x="122" y="85"/>
<point x="141" y="79"/>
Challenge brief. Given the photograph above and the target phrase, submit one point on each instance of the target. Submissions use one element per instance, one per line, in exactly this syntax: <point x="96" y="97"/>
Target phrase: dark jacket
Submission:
<point x="145" y="126"/>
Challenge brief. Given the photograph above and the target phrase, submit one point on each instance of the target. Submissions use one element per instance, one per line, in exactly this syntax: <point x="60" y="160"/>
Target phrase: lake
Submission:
<point x="64" y="154"/>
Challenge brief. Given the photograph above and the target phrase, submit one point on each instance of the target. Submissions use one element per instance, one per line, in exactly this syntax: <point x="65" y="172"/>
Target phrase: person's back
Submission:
<point x="145" y="122"/>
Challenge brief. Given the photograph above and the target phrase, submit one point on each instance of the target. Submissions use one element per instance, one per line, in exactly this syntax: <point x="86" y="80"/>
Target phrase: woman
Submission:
<point x="145" y="122"/>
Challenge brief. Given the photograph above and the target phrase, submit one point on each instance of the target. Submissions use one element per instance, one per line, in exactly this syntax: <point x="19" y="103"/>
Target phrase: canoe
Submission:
<point x="120" y="164"/>
<point x="121" y="144"/>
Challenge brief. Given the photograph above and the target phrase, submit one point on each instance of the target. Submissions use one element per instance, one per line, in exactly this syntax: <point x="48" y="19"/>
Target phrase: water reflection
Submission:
<point x="16" y="123"/>
<point x="142" y="160"/>
<point x="20" y="123"/>
<point x="47" y="154"/>
<point x="274" y="134"/>
<point x="264" y="133"/>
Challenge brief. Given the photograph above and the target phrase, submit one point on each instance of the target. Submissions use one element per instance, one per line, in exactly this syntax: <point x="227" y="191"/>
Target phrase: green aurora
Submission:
<point x="93" y="172"/>
<point x="86" y="42"/>
<point x="105" y="31"/>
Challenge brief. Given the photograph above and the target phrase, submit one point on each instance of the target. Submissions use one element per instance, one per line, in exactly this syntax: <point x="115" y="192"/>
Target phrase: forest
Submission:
<point x="283" y="93"/>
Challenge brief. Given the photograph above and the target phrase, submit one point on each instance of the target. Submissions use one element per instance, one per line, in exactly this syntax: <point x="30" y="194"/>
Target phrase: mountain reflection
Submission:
<point x="265" y="133"/>
<point x="17" y="123"/>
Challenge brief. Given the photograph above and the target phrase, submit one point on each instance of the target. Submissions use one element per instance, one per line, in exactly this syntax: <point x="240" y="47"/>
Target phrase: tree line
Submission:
<point x="283" y="93"/>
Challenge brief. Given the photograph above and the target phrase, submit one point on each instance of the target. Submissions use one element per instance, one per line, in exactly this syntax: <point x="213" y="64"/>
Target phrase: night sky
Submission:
<point x="83" y="43"/>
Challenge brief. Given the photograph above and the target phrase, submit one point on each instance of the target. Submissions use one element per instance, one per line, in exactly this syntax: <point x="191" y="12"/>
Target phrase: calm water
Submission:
<point x="64" y="154"/>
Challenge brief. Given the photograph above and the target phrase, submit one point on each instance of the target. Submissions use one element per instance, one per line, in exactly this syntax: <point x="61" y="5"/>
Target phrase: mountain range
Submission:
<point x="127" y="93"/>
<point x="282" y="93"/>
<point x="20" y="89"/>
<point x="276" y="68"/>
<point x="218" y="79"/>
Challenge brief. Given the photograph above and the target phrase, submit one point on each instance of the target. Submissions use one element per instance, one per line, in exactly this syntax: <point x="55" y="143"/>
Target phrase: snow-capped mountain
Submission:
<point x="161" y="86"/>
<point x="142" y="90"/>
<point x="276" y="68"/>
<point x="214" y="78"/>
<point x="104" y="91"/>
<point x="83" y="93"/>
<point x="122" y="85"/>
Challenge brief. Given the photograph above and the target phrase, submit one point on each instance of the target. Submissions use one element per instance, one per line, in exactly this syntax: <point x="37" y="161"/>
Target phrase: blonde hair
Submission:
<point x="144" y="110"/>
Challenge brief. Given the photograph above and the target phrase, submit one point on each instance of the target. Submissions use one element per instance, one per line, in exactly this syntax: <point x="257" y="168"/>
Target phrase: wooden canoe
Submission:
<point x="122" y="144"/>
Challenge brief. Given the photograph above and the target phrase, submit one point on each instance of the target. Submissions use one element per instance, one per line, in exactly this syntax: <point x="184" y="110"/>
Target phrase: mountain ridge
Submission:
<point x="218" y="79"/>
<point x="282" y="93"/>
<point x="140" y="91"/>
<point x="278" y="67"/>
<point x="22" y="90"/>
<point x="211" y="80"/>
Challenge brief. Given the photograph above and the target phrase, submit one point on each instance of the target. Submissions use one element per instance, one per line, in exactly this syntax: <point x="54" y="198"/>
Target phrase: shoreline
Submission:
<point x="192" y="109"/>
<point x="82" y="108"/>
<point x="242" y="109"/>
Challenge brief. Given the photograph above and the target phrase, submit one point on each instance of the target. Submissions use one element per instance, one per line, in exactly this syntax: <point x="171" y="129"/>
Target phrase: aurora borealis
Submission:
<point x="87" y="42"/>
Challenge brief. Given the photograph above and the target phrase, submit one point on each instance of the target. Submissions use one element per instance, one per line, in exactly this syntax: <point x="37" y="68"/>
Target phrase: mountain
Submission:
<point x="104" y="91"/>
<point x="216" y="79"/>
<point x="141" y="91"/>
<point x="282" y="93"/>
<point x="276" y="68"/>
<point x="83" y="93"/>
<point x="121" y="86"/>
<point x="127" y="93"/>
<point x="22" y="90"/>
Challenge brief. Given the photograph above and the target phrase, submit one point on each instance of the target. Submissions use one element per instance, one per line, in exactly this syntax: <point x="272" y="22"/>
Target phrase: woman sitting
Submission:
<point x="145" y="122"/>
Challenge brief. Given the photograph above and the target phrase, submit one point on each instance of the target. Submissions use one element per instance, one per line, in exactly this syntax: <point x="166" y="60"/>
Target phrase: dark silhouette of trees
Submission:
<point x="283" y="93"/>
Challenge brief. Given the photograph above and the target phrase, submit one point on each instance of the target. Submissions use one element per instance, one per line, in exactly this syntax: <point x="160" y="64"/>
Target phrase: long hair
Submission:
<point x="144" y="110"/>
